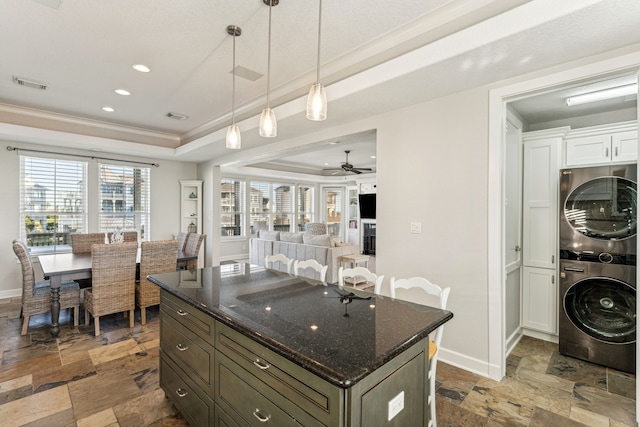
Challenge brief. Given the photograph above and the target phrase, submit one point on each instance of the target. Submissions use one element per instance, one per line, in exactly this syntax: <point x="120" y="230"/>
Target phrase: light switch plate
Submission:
<point x="416" y="227"/>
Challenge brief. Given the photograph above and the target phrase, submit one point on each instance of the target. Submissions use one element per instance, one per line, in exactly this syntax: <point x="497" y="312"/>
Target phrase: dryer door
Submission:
<point x="604" y="308"/>
<point x="603" y="208"/>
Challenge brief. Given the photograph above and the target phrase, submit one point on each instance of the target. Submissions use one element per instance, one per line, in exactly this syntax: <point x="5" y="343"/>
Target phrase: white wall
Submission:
<point x="432" y="168"/>
<point x="165" y="204"/>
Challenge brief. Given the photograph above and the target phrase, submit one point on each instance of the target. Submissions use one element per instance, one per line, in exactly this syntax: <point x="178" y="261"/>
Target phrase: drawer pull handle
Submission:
<point x="261" y="365"/>
<point x="260" y="417"/>
<point x="182" y="312"/>
<point x="182" y="347"/>
<point x="181" y="393"/>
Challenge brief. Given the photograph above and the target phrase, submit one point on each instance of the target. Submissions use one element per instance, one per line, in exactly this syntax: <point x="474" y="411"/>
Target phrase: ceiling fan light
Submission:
<point x="317" y="103"/>
<point x="234" y="139"/>
<point x="268" y="123"/>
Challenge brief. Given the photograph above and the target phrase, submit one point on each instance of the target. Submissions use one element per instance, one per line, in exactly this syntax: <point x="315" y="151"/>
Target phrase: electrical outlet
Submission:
<point x="416" y="227"/>
<point x="396" y="405"/>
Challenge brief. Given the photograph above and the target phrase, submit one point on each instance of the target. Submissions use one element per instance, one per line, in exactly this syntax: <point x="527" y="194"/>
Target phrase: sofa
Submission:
<point x="325" y="249"/>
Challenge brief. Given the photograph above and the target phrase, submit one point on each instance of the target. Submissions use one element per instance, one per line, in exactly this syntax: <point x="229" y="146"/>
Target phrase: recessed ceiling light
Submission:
<point x="108" y="109"/>
<point x="372" y="157"/>
<point x="141" y="68"/>
<point x="334" y="143"/>
<point x="122" y="92"/>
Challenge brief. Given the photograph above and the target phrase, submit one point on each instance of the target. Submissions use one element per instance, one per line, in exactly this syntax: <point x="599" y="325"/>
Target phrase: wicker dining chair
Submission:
<point x="113" y="274"/>
<point x="192" y="247"/>
<point x="181" y="237"/>
<point x="155" y="257"/>
<point x="36" y="296"/>
<point x="81" y="242"/>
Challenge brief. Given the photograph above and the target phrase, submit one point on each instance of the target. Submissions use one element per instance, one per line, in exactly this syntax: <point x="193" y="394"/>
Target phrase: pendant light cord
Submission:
<point x="233" y="85"/>
<point x="269" y="56"/>
<point x="319" y="33"/>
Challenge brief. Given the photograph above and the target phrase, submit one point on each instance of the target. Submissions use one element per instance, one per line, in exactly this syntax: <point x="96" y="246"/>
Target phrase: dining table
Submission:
<point x="69" y="266"/>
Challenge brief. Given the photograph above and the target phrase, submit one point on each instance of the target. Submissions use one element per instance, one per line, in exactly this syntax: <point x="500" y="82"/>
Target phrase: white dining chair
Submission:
<point x="422" y="291"/>
<point x="319" y="271"/>
<point x="270" y="261"/>
<point x="359" y="275"/>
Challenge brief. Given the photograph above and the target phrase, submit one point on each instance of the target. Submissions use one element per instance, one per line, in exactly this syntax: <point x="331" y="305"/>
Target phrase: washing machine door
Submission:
<point x="604" y="308"/>
<point x="603" y="208"/>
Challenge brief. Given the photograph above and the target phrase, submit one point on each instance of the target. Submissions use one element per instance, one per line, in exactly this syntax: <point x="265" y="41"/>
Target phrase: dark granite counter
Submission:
<point x="339" y="334"/>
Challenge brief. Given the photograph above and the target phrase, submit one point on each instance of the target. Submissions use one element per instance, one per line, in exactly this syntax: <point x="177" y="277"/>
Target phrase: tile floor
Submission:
<point x="112" y="380"/>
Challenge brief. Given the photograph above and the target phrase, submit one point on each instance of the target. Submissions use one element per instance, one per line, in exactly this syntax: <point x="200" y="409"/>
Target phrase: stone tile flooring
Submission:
<point x="112" y="380"/>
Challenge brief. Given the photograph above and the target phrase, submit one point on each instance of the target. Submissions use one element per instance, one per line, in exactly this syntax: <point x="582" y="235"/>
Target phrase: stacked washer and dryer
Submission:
<point x="598" y="225"/>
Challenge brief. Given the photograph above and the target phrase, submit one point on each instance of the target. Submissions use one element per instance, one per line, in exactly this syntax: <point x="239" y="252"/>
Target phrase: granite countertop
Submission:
<point x="339" y="337"/>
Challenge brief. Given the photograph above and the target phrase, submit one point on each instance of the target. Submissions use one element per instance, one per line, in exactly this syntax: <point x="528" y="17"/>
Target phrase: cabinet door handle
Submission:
<point x="181" y="312"/>
<point x="181" y="393"/>
<point x="182" y="347"/>
<point x="261" y="417"/>
<point x="553" y="279"/>
<point x="261" y="365"/>
<point x="606" y="152"/>
<point x="553" y="259"/>
<point x="616" y="152"/>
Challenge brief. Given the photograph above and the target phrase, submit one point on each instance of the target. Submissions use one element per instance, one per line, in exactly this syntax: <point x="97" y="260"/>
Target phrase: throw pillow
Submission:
<point x="269" y="235"/>
<point x="316" y="228"/>
<point x="291" y="237"/>
<point x="316" y="240"/>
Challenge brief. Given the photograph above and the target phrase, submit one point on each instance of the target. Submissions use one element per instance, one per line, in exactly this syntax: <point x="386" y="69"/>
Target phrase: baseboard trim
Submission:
<point x="544" y="336"/>
<point x="467" y="363"/>
<point x="513" y="340"/>
<point x="11" y="293"/>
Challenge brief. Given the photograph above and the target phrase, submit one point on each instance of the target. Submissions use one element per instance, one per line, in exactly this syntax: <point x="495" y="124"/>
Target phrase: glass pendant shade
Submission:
<point x="268" y="123"/>
<point x="234" y="139"/>
<point x="317" y="103"/>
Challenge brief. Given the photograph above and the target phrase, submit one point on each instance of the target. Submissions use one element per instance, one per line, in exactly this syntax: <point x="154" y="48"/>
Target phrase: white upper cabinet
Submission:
<point x="602" y="145"/>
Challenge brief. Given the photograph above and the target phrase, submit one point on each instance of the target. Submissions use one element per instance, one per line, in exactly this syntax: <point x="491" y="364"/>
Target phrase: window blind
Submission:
<point x="52" y="202"/>
<point x="232" y="212"/>
<point x="305" y="201"/>
<point x="125" y="199"/>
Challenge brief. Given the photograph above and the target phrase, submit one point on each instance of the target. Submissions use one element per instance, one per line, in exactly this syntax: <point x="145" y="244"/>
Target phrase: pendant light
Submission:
<point x="317" y="100"/>
<point x="233" y="132"/>
<point x="268" y="123"/>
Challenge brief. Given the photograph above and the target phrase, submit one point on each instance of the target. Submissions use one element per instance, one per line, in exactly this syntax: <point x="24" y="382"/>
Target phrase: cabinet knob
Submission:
<point x="261" y="417"/>
<point x="518" y="248"/>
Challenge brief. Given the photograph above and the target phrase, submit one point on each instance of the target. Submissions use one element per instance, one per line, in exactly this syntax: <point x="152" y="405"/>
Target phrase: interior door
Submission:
<point x="513" y="225"/>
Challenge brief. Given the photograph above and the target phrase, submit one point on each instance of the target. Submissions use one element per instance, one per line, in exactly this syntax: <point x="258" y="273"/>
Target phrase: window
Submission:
<point x="52" y="202"/>
<point x="125" y="198"/>
<point x="305" y="206"/>
<point x="232" y="212"/>
<point x="272" y="206"/>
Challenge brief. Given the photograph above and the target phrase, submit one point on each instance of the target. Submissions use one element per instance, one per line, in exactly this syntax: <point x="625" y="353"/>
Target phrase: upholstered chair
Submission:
<point x="36" y="296"/>
<point x="156" y="257"/>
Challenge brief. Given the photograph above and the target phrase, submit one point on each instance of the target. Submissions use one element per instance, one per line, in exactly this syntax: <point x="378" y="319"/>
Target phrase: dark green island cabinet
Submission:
<point x="245" y="346"/>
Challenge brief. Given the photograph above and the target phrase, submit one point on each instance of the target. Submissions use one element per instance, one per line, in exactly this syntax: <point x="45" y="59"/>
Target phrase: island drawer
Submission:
<point x="192" y="403"/>
<point x="305" y="392"/>
<point x="192" y="318"/>
<point x="248" y="400"/>
<point x="189" y="351"/>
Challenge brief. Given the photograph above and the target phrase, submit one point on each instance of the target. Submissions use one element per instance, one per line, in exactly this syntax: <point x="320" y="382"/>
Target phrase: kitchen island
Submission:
<point x="243" y="345"/>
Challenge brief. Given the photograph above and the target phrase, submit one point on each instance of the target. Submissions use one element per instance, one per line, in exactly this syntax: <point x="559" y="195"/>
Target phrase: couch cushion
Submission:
<point x="291" y="237"/>
<point x="269" y="235"/>
<point x="316" y="240"/>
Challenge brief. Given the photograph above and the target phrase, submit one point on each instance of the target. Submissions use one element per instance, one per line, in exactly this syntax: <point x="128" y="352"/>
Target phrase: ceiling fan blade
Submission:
<point x="356" y="171"/>
<point x="364" y="169"/>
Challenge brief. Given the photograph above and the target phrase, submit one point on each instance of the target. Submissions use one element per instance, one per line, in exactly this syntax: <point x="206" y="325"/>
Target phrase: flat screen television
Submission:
<point x="367" y="204"/>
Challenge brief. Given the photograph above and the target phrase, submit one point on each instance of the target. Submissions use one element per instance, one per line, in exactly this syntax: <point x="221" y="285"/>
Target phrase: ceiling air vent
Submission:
<point x="29" y="83"/>
<point x="177" y="116"/>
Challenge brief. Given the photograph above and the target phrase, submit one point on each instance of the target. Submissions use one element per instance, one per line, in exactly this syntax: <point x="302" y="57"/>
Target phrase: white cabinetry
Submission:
<point x="602" y="145"/>
<point x="542" y="155"/>
<point x="540" y="299"/>
<point x="191" y="206"/>
<point x="352" y="230"/>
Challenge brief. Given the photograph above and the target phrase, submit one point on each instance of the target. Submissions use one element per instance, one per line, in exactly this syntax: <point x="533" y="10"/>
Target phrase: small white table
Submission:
<point x="354" y="260"/>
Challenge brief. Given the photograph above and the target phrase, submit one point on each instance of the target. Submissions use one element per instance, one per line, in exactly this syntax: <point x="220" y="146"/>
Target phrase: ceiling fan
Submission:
<point x="348" y="167"/>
